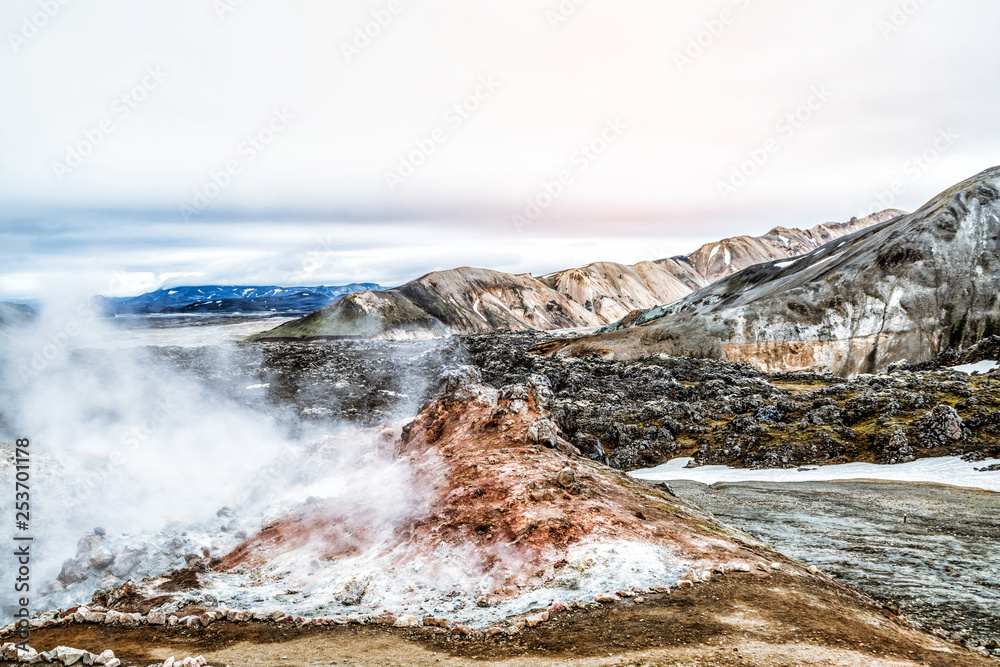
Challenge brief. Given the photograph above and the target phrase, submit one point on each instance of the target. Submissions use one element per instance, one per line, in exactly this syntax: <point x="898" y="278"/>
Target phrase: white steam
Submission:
<point x="124" y="440"/>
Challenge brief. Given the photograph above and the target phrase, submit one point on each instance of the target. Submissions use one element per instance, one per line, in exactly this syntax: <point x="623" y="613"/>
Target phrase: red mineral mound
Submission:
<point x="505" y="489"/>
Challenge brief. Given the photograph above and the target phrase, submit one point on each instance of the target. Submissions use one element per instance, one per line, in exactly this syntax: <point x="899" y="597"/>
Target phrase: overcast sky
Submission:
<point x="307" y="141"/>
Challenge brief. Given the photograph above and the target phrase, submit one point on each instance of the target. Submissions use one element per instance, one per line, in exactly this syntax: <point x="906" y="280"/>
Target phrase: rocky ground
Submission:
<point x="767" y="619"/>
<point x="645" y="412"/>
<point x="931" y="551"/>
<point x="640" y="413"/>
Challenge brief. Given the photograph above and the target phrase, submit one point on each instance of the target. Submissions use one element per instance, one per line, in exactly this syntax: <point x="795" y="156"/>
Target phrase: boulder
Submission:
<point x="543" y="432"/>
<point x="101" y="558"/>
<point x="123" y="564"/>
<point x="68" y="656"/>
<point x="406" y="621"/>
<point x="536" y="619"/>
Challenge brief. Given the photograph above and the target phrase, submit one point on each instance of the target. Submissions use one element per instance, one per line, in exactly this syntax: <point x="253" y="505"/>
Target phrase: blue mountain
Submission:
<point x="225" y="299"/>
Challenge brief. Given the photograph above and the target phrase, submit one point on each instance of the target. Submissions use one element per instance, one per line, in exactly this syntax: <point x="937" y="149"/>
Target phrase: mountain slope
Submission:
<point x="904" y="289"/>
<point x="613" y="290"/>
<point x="459" y="300"/>
<point x="470" y="300"/>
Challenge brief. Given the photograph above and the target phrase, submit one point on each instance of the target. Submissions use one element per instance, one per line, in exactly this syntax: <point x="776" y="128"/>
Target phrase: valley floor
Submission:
<point x="766" y="619"/>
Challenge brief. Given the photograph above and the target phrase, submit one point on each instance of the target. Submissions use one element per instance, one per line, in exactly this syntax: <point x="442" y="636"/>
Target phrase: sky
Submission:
<point x="312" y="142"/>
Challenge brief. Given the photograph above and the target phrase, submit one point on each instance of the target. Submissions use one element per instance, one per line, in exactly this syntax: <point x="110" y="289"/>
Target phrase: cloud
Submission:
<point x="205" y="126"/>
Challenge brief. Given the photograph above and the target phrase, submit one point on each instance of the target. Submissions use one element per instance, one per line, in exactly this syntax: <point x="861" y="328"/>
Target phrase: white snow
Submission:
<point x="475" y="307"/>
<point x="712" y="254"/>
<point x="729" y="257"/>
<point x="785" y="240"/>
<point x="984" y="366"/>
<point x="782" y="265"/>
<point x="259" y="386"/>
<point x="950" y="470"/>
<point x="173" y="291"/>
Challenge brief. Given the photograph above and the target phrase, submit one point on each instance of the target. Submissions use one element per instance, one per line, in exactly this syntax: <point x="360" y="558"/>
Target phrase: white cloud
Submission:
<point x="223" y="78"/>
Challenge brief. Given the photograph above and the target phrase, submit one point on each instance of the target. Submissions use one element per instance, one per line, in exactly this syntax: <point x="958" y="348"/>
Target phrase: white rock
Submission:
<point x="157" y="617"/>
<point x="8" y="651"/>
<point x="537" y="619"/>
<point x="406" y="621"/>
<point x="26" y="654"/>
<point x="67" y="655"/>
<point x="775" y="566"/>
<point x="172" y="620"/>
<point x="169" y="662"/>
<point x="113" y="662"/>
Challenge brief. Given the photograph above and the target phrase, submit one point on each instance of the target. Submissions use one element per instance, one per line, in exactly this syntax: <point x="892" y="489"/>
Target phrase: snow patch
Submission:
<point x="984" y="366"/>
<point x="785" y="265"/>
<point x="943" y="470"/>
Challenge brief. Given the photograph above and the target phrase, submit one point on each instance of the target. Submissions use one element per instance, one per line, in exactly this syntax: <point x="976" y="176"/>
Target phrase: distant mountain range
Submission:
<point x="906" y="289"/>
<point x="227" y="299"/>
<point x="471" y="300"/>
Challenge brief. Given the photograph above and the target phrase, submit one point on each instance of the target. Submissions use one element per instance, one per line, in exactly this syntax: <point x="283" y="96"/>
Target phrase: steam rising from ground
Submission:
<point x="181" y="455"/>
<point x="128" y="441"/>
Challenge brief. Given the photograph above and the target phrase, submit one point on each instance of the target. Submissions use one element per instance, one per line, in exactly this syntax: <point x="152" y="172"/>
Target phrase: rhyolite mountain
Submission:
<point x="230" y="299"/>
<point x="472" y="300"/>
<point x="906" y="289"/>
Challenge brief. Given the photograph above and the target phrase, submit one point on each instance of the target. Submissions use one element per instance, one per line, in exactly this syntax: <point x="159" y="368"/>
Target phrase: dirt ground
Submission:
<point x="735" y="619"/>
